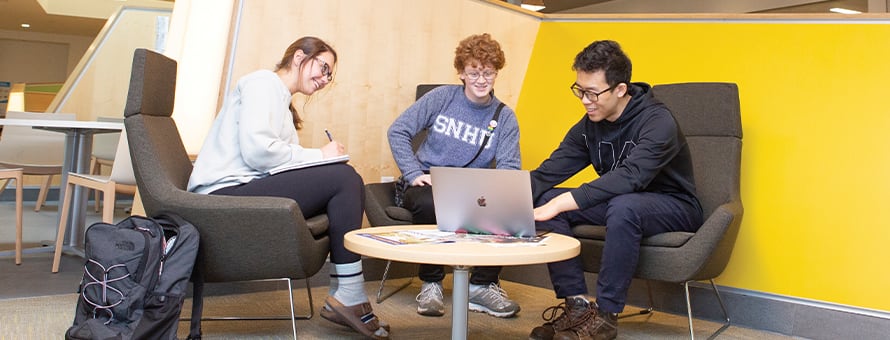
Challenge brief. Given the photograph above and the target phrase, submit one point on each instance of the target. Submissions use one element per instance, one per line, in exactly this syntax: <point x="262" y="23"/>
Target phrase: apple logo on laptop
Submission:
<point x="481" y="201"/>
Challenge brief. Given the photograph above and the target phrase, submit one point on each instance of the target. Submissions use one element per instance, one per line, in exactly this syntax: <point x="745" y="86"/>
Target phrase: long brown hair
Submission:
<point x="311" y="47"/>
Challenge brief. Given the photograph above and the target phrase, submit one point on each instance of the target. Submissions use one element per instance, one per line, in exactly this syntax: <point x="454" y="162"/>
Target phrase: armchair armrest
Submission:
<point x="281" y="244"/>
<point x="380" y="206"/>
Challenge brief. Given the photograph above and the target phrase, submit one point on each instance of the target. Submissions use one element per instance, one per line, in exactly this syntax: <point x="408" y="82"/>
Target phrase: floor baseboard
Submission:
<point x="750" y="309"/>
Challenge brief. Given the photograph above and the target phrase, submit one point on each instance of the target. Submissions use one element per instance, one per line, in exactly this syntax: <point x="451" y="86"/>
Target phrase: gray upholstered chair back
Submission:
<point x="151" y="95"/>
<point x="708" y="114"/>
<point x="282" y="243"/>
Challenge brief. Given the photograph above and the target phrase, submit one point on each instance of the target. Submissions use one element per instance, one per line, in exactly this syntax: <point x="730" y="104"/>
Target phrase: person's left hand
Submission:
<point x="563" y="202"/>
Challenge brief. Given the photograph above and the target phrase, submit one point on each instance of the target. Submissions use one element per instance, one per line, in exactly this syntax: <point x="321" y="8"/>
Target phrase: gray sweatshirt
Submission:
<point x="253" y="133"/>
<point x="456" y="128"/>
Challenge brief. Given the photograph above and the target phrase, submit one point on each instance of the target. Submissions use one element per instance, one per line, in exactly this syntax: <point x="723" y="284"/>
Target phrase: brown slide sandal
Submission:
<point x="359" y="317"/>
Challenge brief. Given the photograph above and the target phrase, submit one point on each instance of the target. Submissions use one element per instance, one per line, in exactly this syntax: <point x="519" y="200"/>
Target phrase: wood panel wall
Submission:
<point x="385" y="49"/>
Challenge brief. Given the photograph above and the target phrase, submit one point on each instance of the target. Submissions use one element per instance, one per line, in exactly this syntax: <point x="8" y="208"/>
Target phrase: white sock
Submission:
<point x="350" y="283"/>
<point x="475" y="288"/>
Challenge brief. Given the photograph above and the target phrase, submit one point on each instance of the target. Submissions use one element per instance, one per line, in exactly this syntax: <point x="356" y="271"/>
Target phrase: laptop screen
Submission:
<point x="483" y="201"/>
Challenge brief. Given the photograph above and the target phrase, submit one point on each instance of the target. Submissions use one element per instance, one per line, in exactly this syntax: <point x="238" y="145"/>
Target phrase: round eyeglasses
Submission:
<point x="593" y="96"/>
<point x="325" y="69"/>
<point x="488" y="75"/>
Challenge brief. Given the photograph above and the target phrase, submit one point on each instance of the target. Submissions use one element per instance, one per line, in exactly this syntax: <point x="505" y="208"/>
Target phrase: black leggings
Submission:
<point x="335" y="189"/>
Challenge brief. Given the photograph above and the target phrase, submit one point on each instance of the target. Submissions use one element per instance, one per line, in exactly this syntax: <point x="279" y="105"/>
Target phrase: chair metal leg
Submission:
<point x="647" y="310"/>
<point x="380" y="296"/>
<point x="290" y="295"/>
<point x="722" y="307"/>
<point x="293" y="318"/>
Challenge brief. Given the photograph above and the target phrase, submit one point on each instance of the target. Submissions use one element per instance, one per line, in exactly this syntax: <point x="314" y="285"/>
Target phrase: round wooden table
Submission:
<point x="461" y="256"/>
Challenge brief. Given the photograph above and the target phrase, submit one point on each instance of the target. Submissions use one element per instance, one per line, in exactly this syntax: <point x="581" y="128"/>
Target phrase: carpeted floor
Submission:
<point x="48" y="317"/>
<point x="35" y="304"/>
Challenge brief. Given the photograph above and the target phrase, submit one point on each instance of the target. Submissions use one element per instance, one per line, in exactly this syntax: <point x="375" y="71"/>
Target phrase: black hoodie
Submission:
<point x="642" y="151"/>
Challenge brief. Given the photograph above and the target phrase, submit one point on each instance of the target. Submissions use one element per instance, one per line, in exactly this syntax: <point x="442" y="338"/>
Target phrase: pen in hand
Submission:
<point x="330" y="138"/>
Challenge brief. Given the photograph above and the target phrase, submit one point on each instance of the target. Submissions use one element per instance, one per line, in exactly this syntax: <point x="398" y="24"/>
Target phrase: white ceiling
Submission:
<point x="16" y="12"/>
<point x="72" y="17"/>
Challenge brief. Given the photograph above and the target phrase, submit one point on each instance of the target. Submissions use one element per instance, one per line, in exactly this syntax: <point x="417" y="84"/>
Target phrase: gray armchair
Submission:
<point x="242" y="238"/>
<point x="709" y="115"/>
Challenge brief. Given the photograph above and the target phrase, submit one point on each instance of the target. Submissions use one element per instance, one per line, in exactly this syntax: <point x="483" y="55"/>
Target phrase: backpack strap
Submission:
<point x="491" y="126"/>
<point x="197" y="304"/>
<point x="170" y="219"/>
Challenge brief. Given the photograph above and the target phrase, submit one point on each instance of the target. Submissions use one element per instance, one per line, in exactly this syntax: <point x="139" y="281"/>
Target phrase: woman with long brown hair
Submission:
<point x="256" y="131"/>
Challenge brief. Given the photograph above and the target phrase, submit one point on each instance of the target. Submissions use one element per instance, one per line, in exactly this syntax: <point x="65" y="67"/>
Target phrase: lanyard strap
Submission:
<point x="491" y="126"/>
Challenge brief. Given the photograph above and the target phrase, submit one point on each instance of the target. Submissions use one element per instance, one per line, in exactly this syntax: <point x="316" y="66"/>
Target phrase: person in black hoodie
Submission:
<point x="645" y="187"/>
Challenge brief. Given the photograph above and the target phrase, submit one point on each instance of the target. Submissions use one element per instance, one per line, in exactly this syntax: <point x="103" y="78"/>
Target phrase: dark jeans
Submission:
<point x="419" y="200"/>
<point x="335" y="189"/>
<point x="628" y="219"/>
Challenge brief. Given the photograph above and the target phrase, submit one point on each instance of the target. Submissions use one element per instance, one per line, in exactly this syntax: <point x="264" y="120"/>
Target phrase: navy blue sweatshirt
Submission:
<point x="642" y="151"/>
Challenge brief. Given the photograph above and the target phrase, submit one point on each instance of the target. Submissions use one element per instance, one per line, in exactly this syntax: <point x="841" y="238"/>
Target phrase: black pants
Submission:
<point x="335" y="189"/>
<point x="419" y="200"/>
<point x="628" y="219"/>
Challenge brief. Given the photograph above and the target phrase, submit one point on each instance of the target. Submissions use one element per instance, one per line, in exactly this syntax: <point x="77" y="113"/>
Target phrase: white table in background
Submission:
<point x="78" y="148"/>
<point x="461" y="256"/>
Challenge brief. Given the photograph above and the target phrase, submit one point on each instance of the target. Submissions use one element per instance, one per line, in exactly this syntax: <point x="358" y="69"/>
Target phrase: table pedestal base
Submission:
<point x="460" y="303"/>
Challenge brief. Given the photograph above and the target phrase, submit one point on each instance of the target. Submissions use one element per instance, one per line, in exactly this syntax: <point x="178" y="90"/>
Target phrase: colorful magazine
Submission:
<point x="407" y="237"/>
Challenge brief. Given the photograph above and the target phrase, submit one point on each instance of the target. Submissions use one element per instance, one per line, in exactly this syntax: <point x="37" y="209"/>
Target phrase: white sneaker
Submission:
<point x="430" y="301"/>
<point x="493" y="300"/>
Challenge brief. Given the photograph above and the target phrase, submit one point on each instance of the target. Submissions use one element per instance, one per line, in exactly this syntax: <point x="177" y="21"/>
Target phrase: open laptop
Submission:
<point x="483" y="201"/>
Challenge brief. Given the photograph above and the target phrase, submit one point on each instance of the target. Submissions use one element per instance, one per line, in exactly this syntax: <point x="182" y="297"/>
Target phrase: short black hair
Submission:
<point x="605" y="55"/>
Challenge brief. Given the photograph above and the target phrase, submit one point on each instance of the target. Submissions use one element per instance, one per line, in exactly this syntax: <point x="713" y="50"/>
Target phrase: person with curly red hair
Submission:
<point x="464" y="130"/>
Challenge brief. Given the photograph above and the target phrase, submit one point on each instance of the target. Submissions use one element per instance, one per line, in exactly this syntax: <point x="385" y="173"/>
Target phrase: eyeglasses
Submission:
<point x="579" y="92"/>
<point x="488" y="75"/>
<point x="325" y="69"/>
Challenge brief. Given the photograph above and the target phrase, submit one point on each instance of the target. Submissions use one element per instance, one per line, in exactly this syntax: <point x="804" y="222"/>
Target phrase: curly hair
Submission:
<point x="607" y="56"/>
<point x="481" y="48"/>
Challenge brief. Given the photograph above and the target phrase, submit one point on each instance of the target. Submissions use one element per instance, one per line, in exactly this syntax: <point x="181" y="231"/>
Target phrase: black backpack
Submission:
<point x="135" y="278"/>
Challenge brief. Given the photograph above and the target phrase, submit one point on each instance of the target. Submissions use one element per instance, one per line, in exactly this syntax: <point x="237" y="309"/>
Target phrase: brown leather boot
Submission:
<point x="588" y="323"/>
<point x="573" y="311"/>
<point x="546" y="331"/>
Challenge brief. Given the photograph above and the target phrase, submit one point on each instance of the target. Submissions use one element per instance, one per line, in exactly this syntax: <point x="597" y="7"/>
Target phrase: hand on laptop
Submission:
<point x="563" y="202"/>
<point x="422" y="180"/>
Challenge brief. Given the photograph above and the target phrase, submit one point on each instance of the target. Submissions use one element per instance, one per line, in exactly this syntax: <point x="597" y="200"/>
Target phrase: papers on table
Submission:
<point x="409" y="237"/>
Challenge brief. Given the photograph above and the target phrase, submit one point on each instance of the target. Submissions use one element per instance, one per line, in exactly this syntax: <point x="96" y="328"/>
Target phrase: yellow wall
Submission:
<point x="815" y="119"/>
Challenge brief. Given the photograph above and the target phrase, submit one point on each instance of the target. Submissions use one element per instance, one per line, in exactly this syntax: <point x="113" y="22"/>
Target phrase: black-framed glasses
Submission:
<point x="488" y="75"/>
<point x="593" y="96"/>
<point x="325" y="69"/>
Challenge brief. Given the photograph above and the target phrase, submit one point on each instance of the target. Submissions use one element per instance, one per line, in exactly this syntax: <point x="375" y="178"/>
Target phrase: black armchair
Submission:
<point x="709" y="115"/>
<point x="240" y="236"/>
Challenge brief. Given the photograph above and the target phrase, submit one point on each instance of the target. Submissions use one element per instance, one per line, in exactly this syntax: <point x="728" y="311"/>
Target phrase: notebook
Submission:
<point x="294" y="166"/>
<point x="483" y="201"/>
